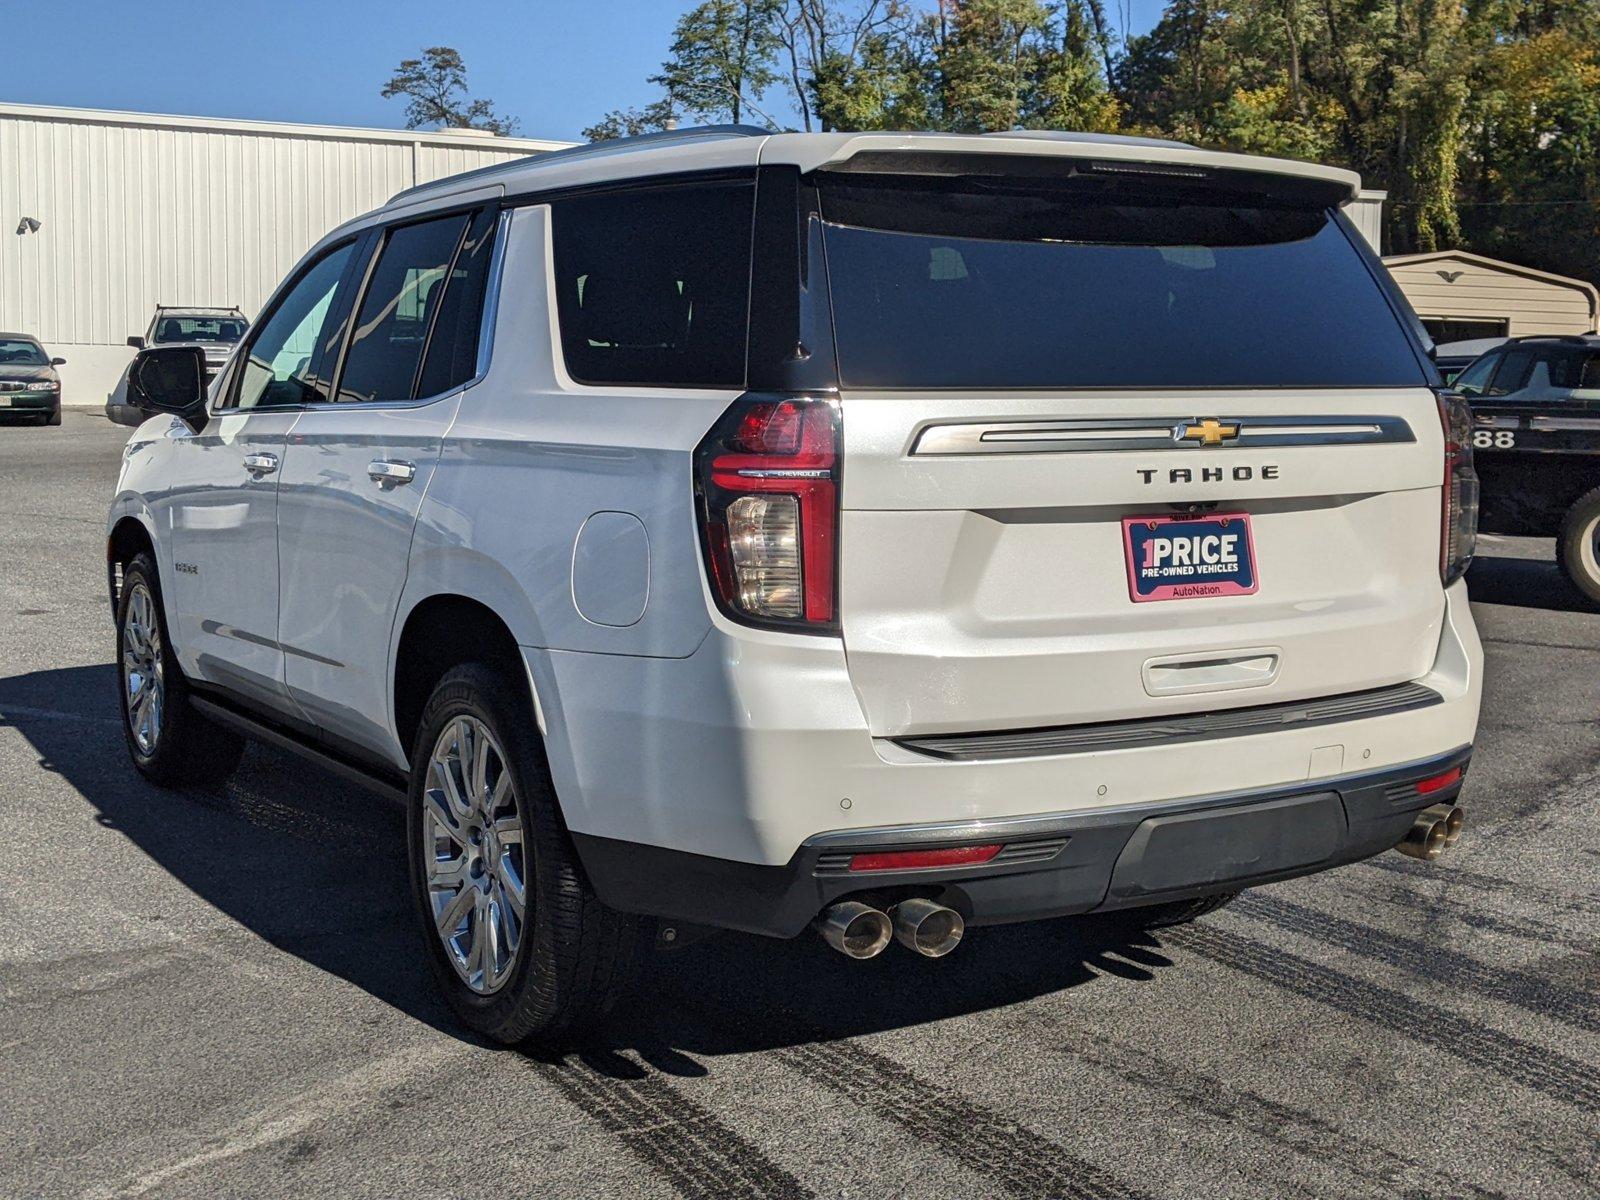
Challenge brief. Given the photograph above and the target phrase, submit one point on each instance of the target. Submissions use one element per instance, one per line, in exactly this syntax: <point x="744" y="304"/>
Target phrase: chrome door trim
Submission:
<point x="1084" y="435"/>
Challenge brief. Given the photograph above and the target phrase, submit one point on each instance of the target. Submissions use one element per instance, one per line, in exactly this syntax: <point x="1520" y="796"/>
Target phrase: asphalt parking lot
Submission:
<point x="216" y="993"/>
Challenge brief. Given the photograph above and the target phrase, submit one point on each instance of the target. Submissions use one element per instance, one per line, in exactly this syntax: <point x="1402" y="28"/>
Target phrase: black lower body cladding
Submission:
<point x="1049" y="866"/>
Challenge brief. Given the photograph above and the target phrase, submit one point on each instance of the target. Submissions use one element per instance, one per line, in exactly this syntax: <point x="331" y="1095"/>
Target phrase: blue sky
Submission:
<point x="556" y="65"/>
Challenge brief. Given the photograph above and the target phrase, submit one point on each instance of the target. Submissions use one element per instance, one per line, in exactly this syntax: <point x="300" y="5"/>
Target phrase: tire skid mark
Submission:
<point x="1542" y="935"/>
<point x="1438" y="964"/>
<point x="1548" y="1072"/>
<point x="1479" y="881"/>
<point x="1297" y="1130"/>
<point x="1026" y="1164"/>
<point x="689" y="1146"/>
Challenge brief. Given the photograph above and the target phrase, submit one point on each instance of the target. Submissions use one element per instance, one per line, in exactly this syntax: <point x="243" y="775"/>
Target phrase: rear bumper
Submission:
<point x="1051" y="865"/>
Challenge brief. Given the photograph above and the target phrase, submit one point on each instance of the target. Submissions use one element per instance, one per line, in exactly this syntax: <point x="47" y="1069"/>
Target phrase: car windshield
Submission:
<point x="199" y="329"/>
<point x="22" y="353"/>
<point x="1535" y="373"/>
<point x="957" y="285"/>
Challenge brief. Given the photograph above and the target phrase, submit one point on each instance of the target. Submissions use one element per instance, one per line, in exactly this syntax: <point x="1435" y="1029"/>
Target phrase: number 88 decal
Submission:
<point x="1492" y="439"/>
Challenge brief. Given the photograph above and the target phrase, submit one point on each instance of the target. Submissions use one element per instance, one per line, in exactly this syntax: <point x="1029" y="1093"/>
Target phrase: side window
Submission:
<point x="286" y="353"/>
<point x="1473" y="380"/>
<point x="653" y="285"/>
<point x="452" y="356"/>
<point x="1516" y="368"/>
<point x="404" y="291"/>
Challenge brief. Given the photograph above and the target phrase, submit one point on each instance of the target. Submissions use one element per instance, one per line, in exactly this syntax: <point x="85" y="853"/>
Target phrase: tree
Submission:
<point x="435" y="88"/>
<point x="721" y="59"/>
<point x="631" y="122"/>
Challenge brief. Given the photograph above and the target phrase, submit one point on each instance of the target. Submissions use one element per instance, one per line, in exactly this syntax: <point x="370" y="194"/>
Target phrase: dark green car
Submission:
<point x="29" y="385"/>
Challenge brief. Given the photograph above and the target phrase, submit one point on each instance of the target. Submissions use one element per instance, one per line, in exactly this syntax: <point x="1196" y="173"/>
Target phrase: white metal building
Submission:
<point x="135" y="210"/>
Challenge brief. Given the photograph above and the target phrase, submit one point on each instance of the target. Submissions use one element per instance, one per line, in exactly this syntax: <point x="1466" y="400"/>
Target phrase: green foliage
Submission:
<point x="435" y="88"/>
<point x="722" y="59"/>
<point x="1480" y="117"/>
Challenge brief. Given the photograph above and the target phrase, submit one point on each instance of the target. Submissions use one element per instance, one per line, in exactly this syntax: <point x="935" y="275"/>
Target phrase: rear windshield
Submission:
<point x="959" y="286"/>
<point x="199" y="329"/>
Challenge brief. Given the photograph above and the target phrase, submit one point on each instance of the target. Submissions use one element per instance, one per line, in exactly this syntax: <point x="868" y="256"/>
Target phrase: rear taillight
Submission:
<point x="1459" y="535"/>
<point x="767" y="476"/>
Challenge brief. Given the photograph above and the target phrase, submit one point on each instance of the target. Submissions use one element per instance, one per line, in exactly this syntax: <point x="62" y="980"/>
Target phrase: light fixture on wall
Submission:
<point x="27" y="225"/>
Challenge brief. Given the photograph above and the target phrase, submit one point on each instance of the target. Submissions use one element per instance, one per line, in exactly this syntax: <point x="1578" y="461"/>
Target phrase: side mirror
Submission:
<point x="58" y="362"/>
<point x="170" y="379"/>
<point x="136" y="342"/>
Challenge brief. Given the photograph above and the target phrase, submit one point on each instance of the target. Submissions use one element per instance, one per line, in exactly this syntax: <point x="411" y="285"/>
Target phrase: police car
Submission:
<point x="1536" y="438"/>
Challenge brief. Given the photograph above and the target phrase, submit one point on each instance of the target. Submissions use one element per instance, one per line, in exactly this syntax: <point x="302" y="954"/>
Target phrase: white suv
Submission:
<point x="883" y="533"/>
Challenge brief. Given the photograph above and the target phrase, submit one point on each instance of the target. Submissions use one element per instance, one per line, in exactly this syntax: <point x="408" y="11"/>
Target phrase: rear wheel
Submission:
<point x="1578" y="547"/>
<point x="169" y="742"/>
<point x="519" y="942"/>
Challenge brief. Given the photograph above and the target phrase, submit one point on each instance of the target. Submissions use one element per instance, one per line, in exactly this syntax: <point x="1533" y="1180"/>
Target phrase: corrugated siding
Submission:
<point x="1482" y="293"/>
<point x="133" y="216"/>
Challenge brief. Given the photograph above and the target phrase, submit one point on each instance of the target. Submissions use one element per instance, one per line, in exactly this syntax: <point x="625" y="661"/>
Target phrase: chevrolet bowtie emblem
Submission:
<point x="1208" y="432"/>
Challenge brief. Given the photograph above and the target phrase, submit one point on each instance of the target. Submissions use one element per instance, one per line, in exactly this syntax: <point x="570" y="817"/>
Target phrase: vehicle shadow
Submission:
<point x="1524" y="583"/>
<point x="315" y="866"/>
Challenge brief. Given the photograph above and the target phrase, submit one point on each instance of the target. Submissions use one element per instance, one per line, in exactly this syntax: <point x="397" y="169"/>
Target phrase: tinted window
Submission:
<point x="1473" y="380"/>
<point x="653" y="286"/>
<point x="452" y="356"/>
<point x="284" y="360"/>
<point x="1043" y="287"/>
<point x="1516" y="369"/>
<point x="391" y="326"/>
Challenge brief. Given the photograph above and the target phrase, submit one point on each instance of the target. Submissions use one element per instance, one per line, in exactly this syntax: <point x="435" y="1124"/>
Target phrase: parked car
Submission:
<point x="882" y="533"/>
<point x="1536" y="434"/>
<point x="29" y="384"/>
<point x="215" y="330"/>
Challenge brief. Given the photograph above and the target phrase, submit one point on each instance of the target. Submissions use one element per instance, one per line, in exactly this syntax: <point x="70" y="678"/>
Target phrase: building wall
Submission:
<point x="1485" y="290"/>
<point x="138" y="210"/>
<point x="1366" y="214"/>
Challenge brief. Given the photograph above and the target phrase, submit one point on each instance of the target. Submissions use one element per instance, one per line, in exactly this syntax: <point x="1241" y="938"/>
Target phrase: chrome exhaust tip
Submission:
<point x="854" y="929"/>
<point x="1453" y="819"/>
<point x="1426" y="839"/>
<point x="932" y="930"/>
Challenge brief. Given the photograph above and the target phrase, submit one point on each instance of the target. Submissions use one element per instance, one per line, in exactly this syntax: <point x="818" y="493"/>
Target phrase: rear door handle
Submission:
<point x="260" y="464"/>
<point x="384" y="471"/>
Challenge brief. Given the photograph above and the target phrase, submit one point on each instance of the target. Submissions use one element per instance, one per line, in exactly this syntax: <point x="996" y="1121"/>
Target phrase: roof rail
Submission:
<point x="1581" y="339"/>
<point x="1076" y="135"/>
<point x="609" y="146"/>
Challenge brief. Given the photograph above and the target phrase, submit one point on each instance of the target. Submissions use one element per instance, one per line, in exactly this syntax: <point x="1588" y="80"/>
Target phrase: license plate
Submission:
<point x="1185" y="558"/>
<point x="5" y="401"/>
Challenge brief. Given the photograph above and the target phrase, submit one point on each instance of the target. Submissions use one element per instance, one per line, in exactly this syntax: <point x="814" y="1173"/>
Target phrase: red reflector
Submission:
<point x="1440" y="782"/>
<point x="905" y="860"/>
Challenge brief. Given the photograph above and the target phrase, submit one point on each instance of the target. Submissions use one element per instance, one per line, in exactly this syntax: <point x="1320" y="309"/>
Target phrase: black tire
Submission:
<point x="1177" y="912"/>
<point x="575" y="957"/>
<point x="54" y="418"/>
<point x="1576" y="548"/>
<point x="187" y="748"/>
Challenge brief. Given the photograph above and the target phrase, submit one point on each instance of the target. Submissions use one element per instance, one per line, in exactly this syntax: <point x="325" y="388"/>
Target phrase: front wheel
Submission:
<point x="169" y="742"/>
<point x="519" y="941"/>
<point x="1578" y="547"/>
<point x="54" y="418"/>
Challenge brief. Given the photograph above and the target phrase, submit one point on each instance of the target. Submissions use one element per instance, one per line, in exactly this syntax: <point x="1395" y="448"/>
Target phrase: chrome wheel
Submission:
<point x="142" y="685"/>
<point x="474" y="854"/>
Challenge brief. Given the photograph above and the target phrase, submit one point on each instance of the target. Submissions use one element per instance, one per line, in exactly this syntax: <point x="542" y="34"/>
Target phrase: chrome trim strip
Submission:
<point x="1076" y="435"/>
<point x="1564" y="424"/>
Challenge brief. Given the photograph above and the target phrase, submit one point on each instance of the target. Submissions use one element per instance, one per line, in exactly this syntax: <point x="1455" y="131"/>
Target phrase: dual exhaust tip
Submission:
<point x="858" y="930"/>
<point x="1434" y="831"/>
